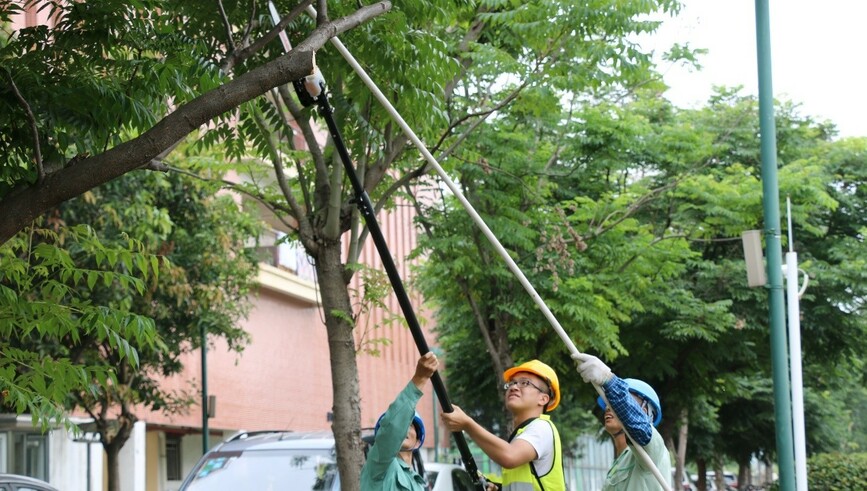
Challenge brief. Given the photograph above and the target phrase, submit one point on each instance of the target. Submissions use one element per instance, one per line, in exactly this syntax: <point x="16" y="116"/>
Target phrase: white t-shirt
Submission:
<point x="540" y="435"/>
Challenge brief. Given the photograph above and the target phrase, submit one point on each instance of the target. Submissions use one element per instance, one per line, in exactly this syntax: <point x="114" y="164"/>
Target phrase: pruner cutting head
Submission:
<point x="310" y="87"/>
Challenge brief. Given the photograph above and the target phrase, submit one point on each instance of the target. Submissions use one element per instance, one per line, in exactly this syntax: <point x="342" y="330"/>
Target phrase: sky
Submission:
<point x="818" y="55"/>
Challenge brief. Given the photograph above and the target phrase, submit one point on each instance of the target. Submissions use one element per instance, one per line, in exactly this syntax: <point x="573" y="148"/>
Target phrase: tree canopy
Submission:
<point x="628" y="221"/>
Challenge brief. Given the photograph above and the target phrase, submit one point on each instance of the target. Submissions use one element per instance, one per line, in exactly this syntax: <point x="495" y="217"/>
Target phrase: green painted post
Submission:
<point x="205" y="430"/>
<point x="774" y="254"/>
<point x="436" y="431"/>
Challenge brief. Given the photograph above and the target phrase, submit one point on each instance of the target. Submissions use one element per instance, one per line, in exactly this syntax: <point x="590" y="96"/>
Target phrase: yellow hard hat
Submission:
<point x="536" y="367"/>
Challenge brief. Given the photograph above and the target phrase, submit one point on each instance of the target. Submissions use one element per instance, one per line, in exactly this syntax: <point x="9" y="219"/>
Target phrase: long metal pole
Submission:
<point x="771" y="204"/>
<point x="504" y="254"/>
<point x="793" y="303"/>
<point x="367" y="211"/>
<point x="800" y="437"/>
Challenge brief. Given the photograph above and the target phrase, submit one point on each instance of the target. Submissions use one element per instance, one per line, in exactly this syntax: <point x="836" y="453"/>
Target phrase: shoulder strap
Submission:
<point x="532" y="467"/>
<point x="520" y="427"/>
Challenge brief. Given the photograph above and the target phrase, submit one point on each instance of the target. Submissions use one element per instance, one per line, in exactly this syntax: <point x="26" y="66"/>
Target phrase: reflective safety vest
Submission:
<point x="525" y="478"/>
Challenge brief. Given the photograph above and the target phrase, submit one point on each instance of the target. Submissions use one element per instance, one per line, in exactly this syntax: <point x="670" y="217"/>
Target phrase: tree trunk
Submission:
<point x="701" y="464"/>
<point x="113" y="440"/>
<point x="769" y="472"/>
<point x="346" y="425"/>
<point x="682" y="431"/>
<point x="719" y="477"/>
<point x="744" y="475"/>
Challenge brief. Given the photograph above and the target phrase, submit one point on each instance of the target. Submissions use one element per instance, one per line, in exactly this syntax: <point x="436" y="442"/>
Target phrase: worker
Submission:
<point x="398" y="432"/>
<point x="634" y="408"/>
<point x="532" y="457"/>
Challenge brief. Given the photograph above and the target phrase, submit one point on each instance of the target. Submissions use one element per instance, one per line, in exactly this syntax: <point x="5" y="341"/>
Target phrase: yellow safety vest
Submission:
<point x="525" y="478"/>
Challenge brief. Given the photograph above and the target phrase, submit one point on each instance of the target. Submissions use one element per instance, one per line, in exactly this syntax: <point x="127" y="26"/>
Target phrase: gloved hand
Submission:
<point x="592" y="369"/>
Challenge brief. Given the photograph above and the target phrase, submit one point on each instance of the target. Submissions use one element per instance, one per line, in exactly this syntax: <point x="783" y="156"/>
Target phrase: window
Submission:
<point x="275" y="249"/>
<point x="31" y="455"/>
<point x="173" y="457"/>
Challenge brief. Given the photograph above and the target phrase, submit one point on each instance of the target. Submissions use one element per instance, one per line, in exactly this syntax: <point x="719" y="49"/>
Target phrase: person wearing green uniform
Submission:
<point x="398" y="432"/>
<point x="638" y="411"/>
<point x="532" y="457"/>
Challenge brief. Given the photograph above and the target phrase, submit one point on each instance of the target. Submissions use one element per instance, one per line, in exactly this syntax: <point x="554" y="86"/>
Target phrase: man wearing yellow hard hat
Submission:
<point x="532" y="458"/>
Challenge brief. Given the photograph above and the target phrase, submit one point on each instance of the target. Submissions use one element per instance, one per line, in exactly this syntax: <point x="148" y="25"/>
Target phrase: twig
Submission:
<point x="229" y="39"/>
<point x="33" y="127"/>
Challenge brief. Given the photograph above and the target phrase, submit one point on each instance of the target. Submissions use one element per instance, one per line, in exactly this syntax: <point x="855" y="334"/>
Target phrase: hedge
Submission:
<point x="837" y="472"/>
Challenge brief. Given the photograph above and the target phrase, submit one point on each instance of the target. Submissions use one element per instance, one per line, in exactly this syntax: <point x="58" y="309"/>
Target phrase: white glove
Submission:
<point x="592" y="369"/>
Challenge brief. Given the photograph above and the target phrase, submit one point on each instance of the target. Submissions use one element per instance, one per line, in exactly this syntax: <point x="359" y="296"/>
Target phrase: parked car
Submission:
<point x="447" y="477"/>
<point x="731" y="481"/>
<point x="14" y="482"/>
<point x="285" y="460"/>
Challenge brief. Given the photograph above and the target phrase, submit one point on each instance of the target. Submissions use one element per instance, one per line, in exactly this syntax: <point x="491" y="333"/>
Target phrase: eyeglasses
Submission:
<point x="523" y="384"/>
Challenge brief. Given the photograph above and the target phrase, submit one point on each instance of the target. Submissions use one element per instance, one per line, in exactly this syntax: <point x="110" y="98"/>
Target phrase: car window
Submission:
<point x="266" y="470"/>
<point x="431" y="477"/>
<point x="461" y="481"/>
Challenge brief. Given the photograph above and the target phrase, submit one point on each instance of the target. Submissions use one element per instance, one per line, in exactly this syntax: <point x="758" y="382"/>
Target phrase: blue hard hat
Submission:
<point x="416" y="420"/>
<point x="644" y="390"/>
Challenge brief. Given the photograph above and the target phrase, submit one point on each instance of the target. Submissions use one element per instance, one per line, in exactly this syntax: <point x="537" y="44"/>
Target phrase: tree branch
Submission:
<point x="230" y="41"/>
<point x="297" y="211"/>
<point x="238" y="56"/>
<point x="26" y="202"/>
<point x="34" y="129"/>
<point x="278" y="211"/>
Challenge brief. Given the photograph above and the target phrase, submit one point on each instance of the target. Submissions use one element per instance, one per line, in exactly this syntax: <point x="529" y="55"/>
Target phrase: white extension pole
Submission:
<point x="794" y="316"/>
<point x="664" y="481"/>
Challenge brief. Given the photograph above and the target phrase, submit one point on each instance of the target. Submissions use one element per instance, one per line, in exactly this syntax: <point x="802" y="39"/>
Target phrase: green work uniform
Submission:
<point x="384" y="470"/>
<point x="628" y="472"/>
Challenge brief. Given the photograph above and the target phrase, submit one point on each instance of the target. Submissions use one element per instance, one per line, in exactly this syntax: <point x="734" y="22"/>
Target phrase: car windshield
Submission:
<point x="266" y="470"/>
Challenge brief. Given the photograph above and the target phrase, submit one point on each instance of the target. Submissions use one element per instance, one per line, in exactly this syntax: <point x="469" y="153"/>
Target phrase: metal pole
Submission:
<point x="87" y="479"/>
<point x="797" y="379"/>
<point x="477" y="219"/>
<point x="436" y="430"/>
<point x="205" y="431"/>
<point x="794" y="311"/>
<point x="771" y="204"/>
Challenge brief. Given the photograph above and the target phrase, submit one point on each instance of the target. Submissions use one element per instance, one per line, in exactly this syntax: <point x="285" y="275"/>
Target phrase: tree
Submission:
<point x="204" y="288"/>
<point x="206" y="277"/>
<point x="45" y="295"/>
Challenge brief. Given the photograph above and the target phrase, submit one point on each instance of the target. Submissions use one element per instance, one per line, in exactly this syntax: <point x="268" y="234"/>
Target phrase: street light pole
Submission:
<point x="772" y="230"/>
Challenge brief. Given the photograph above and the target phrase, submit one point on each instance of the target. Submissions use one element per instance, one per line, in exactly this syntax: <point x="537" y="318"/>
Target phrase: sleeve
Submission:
<point x="657" y="452"/>
<point x="392" y="430"/>
<point x="634" y="420"/>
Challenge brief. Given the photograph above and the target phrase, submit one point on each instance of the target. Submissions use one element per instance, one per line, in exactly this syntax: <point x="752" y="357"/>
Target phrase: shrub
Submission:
<point x="837" y="472"/>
